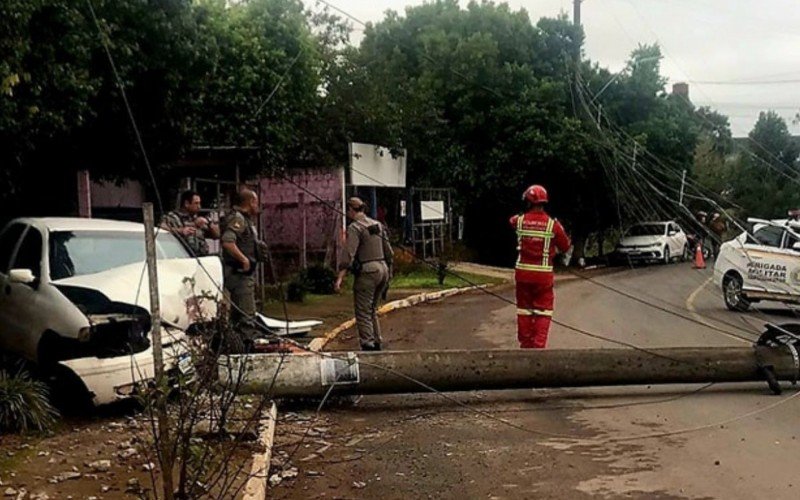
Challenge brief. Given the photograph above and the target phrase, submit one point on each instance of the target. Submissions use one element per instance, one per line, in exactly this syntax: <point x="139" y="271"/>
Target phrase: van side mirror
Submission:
<point x="23" y="276"/>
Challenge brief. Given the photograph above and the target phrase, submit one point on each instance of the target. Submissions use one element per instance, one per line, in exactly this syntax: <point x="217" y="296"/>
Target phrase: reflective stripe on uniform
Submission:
<point x="534" y="312"/>
<point x="547" y="240"/>
<point x="533" y="267"/>
<point x="546" y="235"/>
<point x="534" y="234"/>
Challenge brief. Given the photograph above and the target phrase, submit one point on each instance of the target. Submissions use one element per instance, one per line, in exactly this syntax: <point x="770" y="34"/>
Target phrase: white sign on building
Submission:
<point x="372" y="165"/>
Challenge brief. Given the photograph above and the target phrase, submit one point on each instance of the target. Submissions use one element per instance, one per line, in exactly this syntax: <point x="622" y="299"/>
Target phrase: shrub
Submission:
<point x="24" y="404"/>
<point x="318" y="279"/>
<point x="406" y="263"/>
<point x="441" y="270"/>
<point x="295" y="291"/>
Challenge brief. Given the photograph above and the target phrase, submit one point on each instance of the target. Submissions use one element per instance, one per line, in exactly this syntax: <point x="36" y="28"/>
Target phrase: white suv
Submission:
<point x="763" y="264"/>
<point x="74" y="295"/>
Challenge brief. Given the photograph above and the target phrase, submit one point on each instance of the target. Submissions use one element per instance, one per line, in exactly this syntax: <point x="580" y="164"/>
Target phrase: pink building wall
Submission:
<point x="314" y="195"/>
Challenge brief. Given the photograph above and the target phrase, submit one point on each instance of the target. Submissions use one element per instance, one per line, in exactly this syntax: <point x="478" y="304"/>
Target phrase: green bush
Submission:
<point x="295" y="291"/>
<point x="442" y="268"/>
<point x="24" y="404"/>
<point x="318" y="279"/>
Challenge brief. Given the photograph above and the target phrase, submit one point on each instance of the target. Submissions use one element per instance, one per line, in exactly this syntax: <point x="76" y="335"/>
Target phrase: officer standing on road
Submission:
<point x="539" y="238"/>
<point x="241" y="250"/>
<point x="718" y="228"/>
<point x="369" y="258"/>
<point x="187" y="224"/>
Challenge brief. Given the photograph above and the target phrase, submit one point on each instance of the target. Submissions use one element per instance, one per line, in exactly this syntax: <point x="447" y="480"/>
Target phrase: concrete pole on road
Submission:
<point x="311" y="375"/>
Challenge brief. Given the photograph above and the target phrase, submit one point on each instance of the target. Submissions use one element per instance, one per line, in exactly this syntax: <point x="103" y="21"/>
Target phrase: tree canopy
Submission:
<point x="486" y="101"/>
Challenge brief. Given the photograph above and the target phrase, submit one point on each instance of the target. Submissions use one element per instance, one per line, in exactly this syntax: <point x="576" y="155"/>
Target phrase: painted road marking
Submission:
<point x="690" y="306"/>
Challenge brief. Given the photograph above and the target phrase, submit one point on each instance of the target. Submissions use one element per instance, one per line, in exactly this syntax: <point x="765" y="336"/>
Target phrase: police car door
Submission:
<point x="790" y="259"/>
<point x="761" y="252"/>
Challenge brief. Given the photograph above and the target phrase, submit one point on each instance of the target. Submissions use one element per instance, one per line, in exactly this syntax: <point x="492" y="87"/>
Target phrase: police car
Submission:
<point x="760" y="264"/>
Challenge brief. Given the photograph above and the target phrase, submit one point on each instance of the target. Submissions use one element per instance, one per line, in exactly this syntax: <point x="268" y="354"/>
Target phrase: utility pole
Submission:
<point x="576" y="21"/>
<point x="400" y="372"/>
<point x="599" y="115"/>
<point x="683" y="183"/>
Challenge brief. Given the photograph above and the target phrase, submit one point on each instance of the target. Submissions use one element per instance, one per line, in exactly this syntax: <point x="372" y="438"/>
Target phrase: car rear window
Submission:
<point x="76" y="253"/>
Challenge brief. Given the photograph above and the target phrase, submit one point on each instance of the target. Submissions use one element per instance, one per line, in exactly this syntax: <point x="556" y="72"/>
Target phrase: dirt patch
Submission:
<point x="82" y="458"/>
<point x="101" y="457"/>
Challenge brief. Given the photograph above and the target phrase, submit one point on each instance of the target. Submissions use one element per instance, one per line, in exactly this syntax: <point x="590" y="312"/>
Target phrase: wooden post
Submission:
<point x="301" y="201"/>
<point x="166" y="456"/>
<point x="84" y="194"/>
<point x="152" y="274"/>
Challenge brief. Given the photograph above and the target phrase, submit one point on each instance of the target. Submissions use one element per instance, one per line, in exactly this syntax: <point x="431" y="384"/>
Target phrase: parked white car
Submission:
<point x="75" y="293"/>
<point x="761" y="265"/>
<point x="653" y="242"/>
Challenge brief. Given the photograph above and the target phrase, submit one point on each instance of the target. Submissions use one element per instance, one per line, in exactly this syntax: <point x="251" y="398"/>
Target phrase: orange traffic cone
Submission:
<point x="699" y="261"/>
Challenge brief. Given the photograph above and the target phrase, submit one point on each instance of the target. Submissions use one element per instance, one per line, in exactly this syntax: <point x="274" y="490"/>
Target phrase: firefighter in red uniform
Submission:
<point x="539" y="238"/>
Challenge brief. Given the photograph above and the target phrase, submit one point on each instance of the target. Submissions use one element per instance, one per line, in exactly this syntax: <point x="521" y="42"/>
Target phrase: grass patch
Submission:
<point x="426" y="279"/>
<point x="334" y="309"/>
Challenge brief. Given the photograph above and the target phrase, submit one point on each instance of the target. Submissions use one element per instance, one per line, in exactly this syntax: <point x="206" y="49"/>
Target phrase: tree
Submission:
<point x="765" y="183"/>
<point x="205" y="72"/>
<point x="480" y="98"/>
<point x="62" y="111"/>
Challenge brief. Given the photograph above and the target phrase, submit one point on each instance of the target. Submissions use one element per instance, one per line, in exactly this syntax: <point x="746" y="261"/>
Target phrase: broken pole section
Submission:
<point x="385" y="372"/>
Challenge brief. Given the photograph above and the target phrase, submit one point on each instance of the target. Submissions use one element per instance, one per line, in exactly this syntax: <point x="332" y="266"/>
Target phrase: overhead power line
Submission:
<point x="745" y="82"/>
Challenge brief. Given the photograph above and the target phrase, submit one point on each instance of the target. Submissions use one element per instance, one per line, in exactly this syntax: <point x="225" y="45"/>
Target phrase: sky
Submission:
<point x="738" y="56"/>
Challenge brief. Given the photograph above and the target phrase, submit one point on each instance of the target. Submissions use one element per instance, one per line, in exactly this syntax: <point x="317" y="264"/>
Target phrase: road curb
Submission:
<point x="256" y="487"/>
<point x="319" y="343"/>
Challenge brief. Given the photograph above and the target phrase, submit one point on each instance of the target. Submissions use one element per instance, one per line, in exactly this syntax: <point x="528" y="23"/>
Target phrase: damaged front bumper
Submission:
<point x="112" y="379"/>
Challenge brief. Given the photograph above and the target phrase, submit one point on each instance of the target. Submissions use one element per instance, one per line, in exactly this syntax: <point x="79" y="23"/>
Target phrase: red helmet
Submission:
<point x="535" y="194"/>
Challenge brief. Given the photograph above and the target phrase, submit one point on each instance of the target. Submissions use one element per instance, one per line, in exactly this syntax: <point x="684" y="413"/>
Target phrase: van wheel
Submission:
<point x="733" y="293"/>
<point x="667" y="256"/>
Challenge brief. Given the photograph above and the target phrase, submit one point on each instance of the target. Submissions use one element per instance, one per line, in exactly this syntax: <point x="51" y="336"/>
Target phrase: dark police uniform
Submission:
<point x="178" y="219"/>
<point x="369" y="256"/>
<point x="239" y="229"/>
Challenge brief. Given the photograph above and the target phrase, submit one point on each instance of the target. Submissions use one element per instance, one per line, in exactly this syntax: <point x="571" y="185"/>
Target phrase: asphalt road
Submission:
<point x="724" y="441"/>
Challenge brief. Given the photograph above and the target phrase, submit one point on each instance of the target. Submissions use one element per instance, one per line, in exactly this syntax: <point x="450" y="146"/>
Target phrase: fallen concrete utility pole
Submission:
<point x="311" y="375"/>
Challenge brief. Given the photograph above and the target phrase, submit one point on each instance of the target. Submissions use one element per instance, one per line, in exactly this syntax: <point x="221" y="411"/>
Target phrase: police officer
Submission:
<point x="241" y="250"/>
<point x="369" y="257"/>
<point x="187" y="224"/>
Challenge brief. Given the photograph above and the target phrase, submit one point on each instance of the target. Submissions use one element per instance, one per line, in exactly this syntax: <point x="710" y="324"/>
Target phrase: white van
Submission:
<point x="763" y="264"/>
